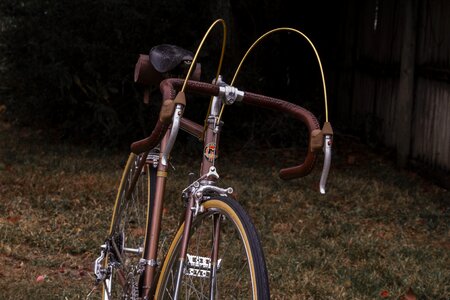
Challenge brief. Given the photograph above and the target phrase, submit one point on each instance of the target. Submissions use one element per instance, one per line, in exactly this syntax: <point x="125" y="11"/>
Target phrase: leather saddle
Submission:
<point x="166" y="58"/>
<point x="164" y="61"/>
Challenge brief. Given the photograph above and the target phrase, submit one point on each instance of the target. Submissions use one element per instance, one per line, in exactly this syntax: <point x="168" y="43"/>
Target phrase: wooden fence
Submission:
<point x="379" y="65"/>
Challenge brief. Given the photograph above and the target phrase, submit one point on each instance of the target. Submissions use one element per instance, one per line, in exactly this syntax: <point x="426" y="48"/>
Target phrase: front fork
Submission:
<point x="194" y="207"/>
<point x="215" y="257"/>
<point x="213" y="264"/>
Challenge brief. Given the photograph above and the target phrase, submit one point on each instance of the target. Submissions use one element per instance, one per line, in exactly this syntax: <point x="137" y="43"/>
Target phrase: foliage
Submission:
<point x="69" y="64"/>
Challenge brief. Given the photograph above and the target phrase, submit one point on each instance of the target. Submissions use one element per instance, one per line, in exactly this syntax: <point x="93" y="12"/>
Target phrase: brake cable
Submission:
<point x="315" y="51"/>
<point x="219" y="67"/>
<point x="191" y="68"/>
<point x="327" y="132"/>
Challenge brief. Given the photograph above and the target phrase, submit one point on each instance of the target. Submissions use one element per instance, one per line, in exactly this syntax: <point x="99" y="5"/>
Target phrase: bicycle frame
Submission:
<point x="151" y="69"/>
<point x="165" y="134"/>
<point x="210" y="146"/>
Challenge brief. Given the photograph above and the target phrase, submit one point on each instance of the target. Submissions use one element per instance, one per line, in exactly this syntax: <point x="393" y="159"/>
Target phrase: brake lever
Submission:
<point x="327" y="132"/>
<point x="328" y="141"/>
<point x="173" y="134"/>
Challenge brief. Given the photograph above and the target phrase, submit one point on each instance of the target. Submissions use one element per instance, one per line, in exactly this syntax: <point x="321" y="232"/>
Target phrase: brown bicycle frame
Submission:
<point x="211" y="138"/>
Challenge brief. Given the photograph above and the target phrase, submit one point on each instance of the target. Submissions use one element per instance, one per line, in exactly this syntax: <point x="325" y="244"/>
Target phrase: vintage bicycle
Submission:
<point x="216" y="252"/>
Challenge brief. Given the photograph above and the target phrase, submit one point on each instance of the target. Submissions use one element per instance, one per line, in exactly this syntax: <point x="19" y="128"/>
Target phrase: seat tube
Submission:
<point x="153" y="228"/>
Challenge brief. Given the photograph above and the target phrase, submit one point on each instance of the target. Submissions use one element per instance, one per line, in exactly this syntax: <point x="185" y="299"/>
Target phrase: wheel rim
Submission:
<point x="128" y="234"/>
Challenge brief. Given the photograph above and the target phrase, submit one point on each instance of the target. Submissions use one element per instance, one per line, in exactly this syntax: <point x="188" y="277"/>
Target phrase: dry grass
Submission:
<point x="377" y="233"/>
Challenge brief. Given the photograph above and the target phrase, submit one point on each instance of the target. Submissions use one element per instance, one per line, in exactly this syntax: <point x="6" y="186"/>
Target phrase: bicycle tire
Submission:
<point x="242" y="273"/>
<point x="128" y="230"/>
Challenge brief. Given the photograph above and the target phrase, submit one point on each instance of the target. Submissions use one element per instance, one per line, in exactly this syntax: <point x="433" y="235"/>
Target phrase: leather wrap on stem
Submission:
<point x="298" y="113"/>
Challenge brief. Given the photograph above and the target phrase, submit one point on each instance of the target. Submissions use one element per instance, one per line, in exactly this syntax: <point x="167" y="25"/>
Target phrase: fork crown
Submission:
<point x="203" y="187"/>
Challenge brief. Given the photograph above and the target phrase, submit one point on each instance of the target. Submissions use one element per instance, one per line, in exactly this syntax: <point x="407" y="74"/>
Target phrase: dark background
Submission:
<point x="67" y="66"/>
<point x="73" y="61"/>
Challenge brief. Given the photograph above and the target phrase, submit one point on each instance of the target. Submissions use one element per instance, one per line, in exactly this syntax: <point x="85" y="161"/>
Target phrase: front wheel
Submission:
<point x="224" y="257"/>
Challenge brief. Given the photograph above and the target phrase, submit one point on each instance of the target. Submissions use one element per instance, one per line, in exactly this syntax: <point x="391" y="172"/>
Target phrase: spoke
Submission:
<point x="128" y="232"/>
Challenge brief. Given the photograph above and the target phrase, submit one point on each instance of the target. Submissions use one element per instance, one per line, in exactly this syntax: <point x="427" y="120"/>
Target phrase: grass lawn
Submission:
<point x="378" y="233"/>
